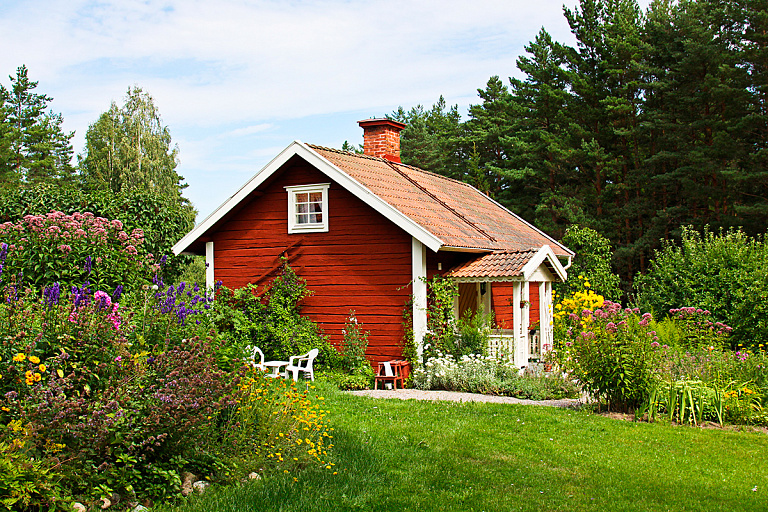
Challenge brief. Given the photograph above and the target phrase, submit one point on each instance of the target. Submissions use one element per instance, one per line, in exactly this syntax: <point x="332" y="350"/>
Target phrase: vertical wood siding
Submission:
<point x="362" y="263"/>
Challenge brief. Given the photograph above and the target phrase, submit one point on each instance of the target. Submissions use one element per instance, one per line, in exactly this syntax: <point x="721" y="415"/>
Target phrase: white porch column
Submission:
<point x="526" y="319"/>
<point x="545" y="316"/>
<point x="521" y="344"/>
<point x="418" y="278"/>
<point x="209" y="274"/>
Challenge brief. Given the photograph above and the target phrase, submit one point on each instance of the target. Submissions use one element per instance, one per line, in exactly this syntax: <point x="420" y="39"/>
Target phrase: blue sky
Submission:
<point x="237" y="80"/>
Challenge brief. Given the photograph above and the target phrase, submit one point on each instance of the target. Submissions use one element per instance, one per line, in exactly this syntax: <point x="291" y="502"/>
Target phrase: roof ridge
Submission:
<point x="347" y="153"/>
<point x="443" y="203"/>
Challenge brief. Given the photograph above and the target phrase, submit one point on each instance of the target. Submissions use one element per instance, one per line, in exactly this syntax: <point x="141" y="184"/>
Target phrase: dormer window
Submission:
<point x="308" y="208"/>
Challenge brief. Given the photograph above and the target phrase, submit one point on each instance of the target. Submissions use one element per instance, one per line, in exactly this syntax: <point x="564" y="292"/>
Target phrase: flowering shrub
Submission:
<point x="612" y="352"/>
<point x="74" y="248"/>
<point x="278" y="423"/>
<point x="103" y="394"/>
<point x="696" y="329"/>
<point x="475" y="373"/>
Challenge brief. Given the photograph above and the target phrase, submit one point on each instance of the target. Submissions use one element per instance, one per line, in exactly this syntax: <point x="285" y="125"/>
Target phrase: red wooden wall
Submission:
<point x="362" y="263"/>
<point x="501" y="300"/>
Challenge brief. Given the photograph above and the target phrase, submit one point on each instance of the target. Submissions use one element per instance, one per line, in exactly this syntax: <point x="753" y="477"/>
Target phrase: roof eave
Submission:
<point x="297" y="148"/>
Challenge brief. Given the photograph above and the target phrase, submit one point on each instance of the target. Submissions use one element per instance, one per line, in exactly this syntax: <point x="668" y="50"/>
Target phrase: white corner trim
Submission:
<point x="210" y="276"/>
<point x="545" y="253"/>
<point x="419" y="280"/>
<point x="297" y="148"/>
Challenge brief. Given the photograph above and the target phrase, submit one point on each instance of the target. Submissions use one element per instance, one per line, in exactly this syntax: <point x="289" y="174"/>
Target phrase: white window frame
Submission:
<point x="295" y="227"/>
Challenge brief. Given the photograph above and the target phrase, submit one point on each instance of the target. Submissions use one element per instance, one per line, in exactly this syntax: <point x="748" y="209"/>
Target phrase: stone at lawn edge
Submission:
<point x="200" y="486"/>
<point x="139" y="508"/>
<point x="187" y="479"/>
<point x="254" y="476"/>
<point x="78" y="507"/>
<point x="105" y="503"/>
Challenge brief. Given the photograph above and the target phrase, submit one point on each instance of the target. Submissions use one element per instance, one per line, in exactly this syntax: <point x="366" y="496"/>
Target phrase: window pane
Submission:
<point x="315" y="197"/>
<point x="302" y="197"/>
<point x="302" y="208"/>
<point x="302" y="219"/>
<point x="315" y="207"/>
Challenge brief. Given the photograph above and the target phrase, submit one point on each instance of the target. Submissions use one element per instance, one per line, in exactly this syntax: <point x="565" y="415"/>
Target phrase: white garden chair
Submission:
<point x="302" y="363"/>
<point x="251" y="360"/>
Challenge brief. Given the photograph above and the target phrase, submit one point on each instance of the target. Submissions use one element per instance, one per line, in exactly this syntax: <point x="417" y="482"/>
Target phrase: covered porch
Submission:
<point x="516" y="286"/>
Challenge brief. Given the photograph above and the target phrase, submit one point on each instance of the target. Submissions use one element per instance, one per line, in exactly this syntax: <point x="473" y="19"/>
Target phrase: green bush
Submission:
<point x="613" y="353"/>
<point x="592" y="262"/>
<point x="474" y="331"/>
<point x="475" y="373"/>
<point x="162" y="222"/>
<point x="271" y="320"/>
<point x="720" y="272"/>
<point x="71" y="249"/>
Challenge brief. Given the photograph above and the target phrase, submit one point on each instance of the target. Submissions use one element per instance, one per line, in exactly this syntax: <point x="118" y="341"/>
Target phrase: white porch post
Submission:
<point x="521" y="344"/>
<point x="419" y="276"/>
<point x="525" y="323"/>
<point x="545" y="316"/>
<point x="209" y="274"/>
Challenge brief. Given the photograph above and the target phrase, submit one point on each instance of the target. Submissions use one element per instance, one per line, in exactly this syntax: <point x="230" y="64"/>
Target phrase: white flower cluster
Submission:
<point x="447" y="372"/>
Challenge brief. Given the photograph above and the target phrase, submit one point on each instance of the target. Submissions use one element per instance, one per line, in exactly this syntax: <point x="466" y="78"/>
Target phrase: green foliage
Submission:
<point x="98" y="398"/>
<point x="128" y="148"/>
<point x="69" y="249"/>
<point x="475" y="373"/>
<point x="162" y="222"/>
<point x="474" y="331"/>
<point x="25" y="482"/>
<point x="353" y="348"/>
<point x="613" y="353"/>
<point x="33" y="145"/>
<point x="273" y="321"/>
<point x="592" y="261"/>
<point x="441" y="324"/>
<point x="720" y="272"/>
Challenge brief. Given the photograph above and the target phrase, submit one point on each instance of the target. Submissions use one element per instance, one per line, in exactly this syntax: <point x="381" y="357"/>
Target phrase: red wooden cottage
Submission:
<point x="363" y="230"/>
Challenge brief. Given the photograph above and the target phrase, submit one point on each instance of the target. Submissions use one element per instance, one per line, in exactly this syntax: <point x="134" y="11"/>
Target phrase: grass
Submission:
<point x="407" y="455"/>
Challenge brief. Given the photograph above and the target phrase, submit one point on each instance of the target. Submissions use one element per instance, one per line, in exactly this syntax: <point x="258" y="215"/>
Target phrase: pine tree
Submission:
<point x="33" y="145"/>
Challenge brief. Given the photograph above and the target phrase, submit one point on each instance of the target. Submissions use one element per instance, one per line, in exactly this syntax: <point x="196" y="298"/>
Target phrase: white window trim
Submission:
<point x="293" y="226"/>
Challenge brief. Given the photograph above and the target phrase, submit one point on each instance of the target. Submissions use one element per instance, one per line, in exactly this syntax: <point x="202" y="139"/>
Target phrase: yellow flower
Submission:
<point x="34" y="359"/>
<point x="42" y="368"/>
<point x="19" y="358"/>
<point x="38" y="377"/>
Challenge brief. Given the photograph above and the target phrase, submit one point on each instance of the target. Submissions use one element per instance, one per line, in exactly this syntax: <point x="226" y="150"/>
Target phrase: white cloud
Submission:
<point x="241" y="68"/>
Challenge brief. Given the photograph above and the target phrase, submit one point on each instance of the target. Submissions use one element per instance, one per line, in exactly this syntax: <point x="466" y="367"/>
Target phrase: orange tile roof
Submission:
<point x="453" y="211"/>
<point x="495" y="264"/>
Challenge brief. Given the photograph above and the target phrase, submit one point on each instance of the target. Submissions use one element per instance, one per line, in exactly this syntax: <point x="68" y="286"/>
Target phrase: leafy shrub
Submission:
<point x="163" y="222"/>
<point x="476" y="373"/>
<point x="591" y="262"/>
<point x="441" y="323"/>
<point x="271" y="320"/>
<point x="105" y="405"/>
<point x="720" y="272"/>
<point x="279" y="423"/>
<point x="612" y="352"/>
<point x="474" y="331"/>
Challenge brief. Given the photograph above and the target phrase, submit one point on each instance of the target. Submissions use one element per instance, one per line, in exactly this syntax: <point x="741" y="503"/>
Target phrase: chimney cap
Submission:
<point x="368" y="123"/>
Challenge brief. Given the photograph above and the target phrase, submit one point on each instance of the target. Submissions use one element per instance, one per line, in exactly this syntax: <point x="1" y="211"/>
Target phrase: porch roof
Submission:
<point x="508" y="265"/>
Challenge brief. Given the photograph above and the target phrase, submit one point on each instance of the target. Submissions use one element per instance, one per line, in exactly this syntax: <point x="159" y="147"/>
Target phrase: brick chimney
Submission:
<point x="381" y="137"/>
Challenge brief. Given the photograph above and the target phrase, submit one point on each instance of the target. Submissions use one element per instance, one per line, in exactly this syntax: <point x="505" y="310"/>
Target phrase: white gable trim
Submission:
<point x="300" y="149"/>
<point x="544" y="254"/>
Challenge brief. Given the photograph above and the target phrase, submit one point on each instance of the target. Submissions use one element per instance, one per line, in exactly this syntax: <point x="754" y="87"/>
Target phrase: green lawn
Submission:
<point x="407" y="455"/>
